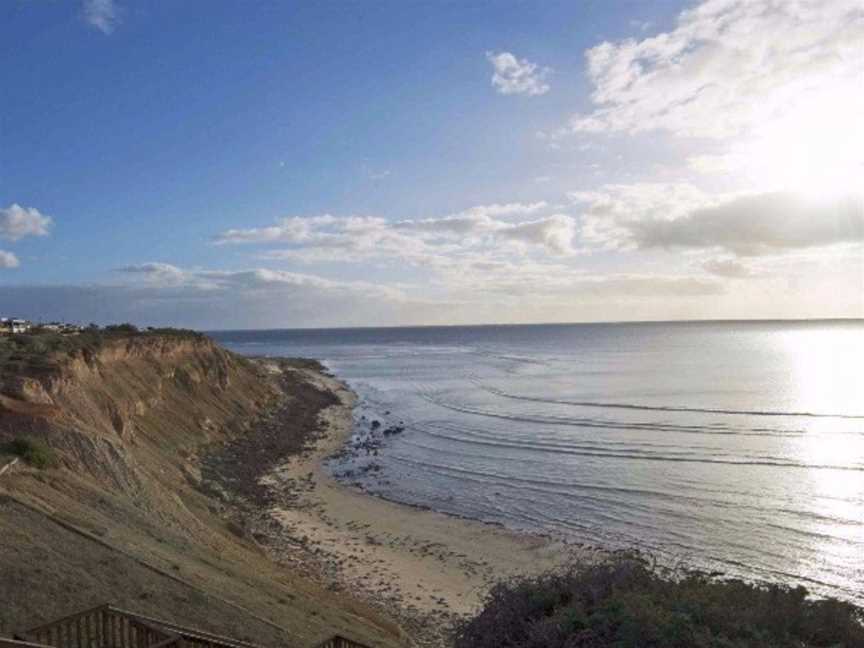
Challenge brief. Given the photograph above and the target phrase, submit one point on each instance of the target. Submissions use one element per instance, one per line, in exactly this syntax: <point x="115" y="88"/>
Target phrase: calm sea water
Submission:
<point x="735" y="446"/>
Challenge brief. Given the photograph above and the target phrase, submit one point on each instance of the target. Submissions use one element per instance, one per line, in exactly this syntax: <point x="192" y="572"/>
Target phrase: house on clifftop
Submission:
<point x="14" y="325"/>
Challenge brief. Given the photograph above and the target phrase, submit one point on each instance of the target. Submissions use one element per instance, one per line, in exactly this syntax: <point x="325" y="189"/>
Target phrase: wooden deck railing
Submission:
<point x="109" y="627"/>
<point x="101" y="627"/>
<point x="14" y="643"/>
<point x="340" y="642"/>
<point x="190" y="636"/>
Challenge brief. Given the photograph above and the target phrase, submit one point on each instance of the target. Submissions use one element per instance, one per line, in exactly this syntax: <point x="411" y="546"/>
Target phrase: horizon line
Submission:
<point x="518" y="324"/>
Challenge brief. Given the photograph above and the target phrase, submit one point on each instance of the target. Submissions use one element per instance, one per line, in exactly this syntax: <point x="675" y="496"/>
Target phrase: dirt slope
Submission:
<point x="126" y="516"/>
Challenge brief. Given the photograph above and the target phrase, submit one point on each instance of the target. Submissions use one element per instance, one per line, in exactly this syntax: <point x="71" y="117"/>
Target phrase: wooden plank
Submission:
<point x="172" y="641"/>
<point x="190" y="635"/>
<point x="63" y="620"/>
<point x="18" y="643"/>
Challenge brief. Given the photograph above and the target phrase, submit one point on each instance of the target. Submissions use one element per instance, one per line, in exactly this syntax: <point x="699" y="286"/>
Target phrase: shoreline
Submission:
<point x="423" y="567"/>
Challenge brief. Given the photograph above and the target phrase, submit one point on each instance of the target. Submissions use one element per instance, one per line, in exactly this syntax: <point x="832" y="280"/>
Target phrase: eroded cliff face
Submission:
<point x="125" y="516"/>
<point x="108" y="413"/>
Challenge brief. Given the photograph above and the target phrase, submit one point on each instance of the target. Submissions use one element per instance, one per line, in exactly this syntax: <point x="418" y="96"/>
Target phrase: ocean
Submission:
<point x="735" y="447"/>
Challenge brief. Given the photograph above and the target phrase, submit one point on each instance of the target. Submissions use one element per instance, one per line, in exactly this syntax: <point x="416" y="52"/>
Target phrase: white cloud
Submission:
<point x="8" y="260"/>
<point x="648" y="285"/>
<point x="609" y="211"/>
<point x="730" y="67"/>
<point x="467" y="281"/>
<point x="512" y="75"/>
<point x="289" y="230"/>
<point x="555" y="233"/>
<point x="647" y="216"/>
<point x="102" y="15"/>
<point x="16" y="222"/>
<point x="263" y="279"/>
<point x="712" y="163"/>
<point x="210" y="299"/>
<point x="729" y="268"/>
<point x="525" y="281"/>
<point x="428" y="241"/>
<point x="164" y="275"/>
<point x="479" y="217"/>
<point x="759" y="224"/>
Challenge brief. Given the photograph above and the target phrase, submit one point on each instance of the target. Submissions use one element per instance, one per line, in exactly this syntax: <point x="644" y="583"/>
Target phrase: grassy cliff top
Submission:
<point x="40" y="350"/>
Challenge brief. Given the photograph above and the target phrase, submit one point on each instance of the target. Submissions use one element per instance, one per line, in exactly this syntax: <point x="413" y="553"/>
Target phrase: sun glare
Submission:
<point x="815" y="148"/>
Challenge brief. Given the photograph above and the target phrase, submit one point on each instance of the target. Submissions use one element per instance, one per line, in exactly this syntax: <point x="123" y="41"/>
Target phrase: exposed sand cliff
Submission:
<point x="126" y="517"/>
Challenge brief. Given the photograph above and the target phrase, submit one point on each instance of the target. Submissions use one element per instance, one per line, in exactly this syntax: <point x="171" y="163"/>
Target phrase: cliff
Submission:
<point x="123" y="515"/>
<point x="135" y="403"/>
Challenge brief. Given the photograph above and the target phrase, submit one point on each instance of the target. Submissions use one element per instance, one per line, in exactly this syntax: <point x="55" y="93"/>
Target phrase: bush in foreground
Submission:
<point x="35" y="453"/>
<point x="625" y="604"/>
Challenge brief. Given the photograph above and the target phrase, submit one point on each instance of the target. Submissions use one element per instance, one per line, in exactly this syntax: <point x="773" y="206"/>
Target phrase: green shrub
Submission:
<point x="35" y="453"/>
<point x="38" y="351"/>
<point x="625" y="604"/>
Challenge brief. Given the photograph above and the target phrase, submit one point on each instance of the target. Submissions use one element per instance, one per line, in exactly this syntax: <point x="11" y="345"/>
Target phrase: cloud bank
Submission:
<point x="728" y="67"/>
<point x="165" y="276"/>
<point x="513" y="228"/>
<point x="646" y="216"/>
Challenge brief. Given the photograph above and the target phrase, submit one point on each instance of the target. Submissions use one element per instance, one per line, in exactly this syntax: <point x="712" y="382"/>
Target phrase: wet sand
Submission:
<point x="422" y="567"/>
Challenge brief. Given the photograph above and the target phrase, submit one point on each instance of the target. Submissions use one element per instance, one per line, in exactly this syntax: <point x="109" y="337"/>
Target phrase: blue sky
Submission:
<point x="280" y="164"/>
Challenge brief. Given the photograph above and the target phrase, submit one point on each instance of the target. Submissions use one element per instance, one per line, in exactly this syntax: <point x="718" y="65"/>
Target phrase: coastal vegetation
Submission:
<point x="34" y="452"/>
<point x="40" y="348"/>
<point x="626" y="603"/>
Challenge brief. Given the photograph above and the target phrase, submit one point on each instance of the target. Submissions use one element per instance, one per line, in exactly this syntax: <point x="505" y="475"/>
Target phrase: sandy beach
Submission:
<point x="423" y="567"/>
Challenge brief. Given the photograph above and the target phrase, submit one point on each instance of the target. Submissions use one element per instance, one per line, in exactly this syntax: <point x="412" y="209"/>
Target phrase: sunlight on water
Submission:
<point x="825" y="370"/>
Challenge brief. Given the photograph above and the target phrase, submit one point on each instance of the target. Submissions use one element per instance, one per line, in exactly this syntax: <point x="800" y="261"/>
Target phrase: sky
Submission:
<point x="226" y="164"/>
